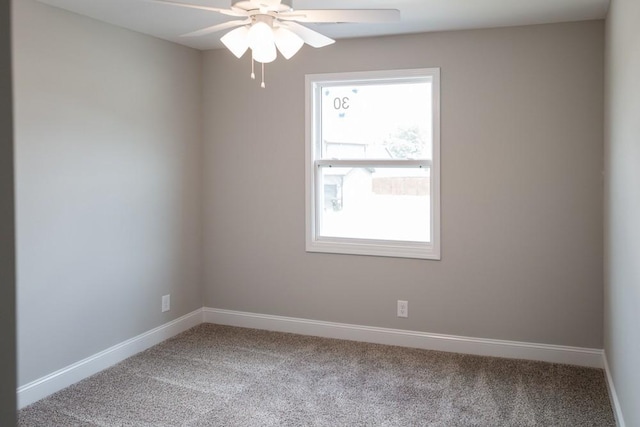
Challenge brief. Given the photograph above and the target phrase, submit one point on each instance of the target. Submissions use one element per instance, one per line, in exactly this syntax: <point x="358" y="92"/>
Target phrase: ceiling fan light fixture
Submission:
<point x="265" y="54"/>
<point x="270" y="26"/>
<point x="236" y="41"/>
<point x="261" y="40"/>
<point x="288" y="42"/>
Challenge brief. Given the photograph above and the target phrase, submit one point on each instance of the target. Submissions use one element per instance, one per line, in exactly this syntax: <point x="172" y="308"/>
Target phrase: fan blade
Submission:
<point x="342" y="15"/>
<point x="228" y="12"/>
<point x="218" y="27"/>
<point x="310" y="37"/>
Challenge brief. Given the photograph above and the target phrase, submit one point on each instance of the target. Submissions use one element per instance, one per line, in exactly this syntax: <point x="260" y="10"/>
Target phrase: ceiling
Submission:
<point x="169" y="22"/>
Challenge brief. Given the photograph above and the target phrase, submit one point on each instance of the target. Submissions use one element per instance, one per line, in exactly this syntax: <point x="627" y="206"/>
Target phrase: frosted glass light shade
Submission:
<point x="288" y="42"/>
<point x="261" y="41"/>
<point x="236" y="41"/>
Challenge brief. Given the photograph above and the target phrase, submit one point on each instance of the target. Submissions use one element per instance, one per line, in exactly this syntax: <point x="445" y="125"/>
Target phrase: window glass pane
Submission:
<point x="377" y="121"/>
<point x="375" y="203"/>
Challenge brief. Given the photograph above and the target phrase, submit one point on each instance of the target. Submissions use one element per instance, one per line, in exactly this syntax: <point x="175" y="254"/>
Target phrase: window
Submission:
<point x="373" y="146"/>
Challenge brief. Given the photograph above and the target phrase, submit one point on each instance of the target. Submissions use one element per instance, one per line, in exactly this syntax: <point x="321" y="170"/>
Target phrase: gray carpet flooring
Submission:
<point x="223" y="376"/>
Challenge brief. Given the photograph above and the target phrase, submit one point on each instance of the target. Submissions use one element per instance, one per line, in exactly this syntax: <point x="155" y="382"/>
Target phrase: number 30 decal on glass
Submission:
<point x="341" y="103"/>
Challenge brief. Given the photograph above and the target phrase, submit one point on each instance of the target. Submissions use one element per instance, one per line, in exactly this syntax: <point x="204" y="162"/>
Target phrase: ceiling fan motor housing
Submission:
<point x="268" y="5"/>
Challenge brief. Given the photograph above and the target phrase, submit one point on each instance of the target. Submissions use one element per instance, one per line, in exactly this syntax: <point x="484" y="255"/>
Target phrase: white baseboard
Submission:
<point x="613" y="396"/>
<point x="49" y="384"/>
<point x="578" y="356"/>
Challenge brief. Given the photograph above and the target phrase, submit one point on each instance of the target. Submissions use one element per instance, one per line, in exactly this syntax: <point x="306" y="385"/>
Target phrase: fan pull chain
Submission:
<point x="253" y="62"/>
<point x="262" y="84"/>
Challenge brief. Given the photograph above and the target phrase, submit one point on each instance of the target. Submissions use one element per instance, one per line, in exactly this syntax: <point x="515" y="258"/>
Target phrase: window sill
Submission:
<point x="383" y="248"/>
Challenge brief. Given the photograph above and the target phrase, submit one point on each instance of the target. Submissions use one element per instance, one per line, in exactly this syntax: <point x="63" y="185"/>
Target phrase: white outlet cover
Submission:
<point x="403" y="308"/>
<point x="166" y="303"/>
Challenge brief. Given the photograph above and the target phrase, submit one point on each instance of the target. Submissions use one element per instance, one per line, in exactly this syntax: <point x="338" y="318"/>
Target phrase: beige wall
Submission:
<point x="622" y="205"/>
<point x="522" y="151"/>
<point x="7" y="252"/>
<point x="108" y="185"/>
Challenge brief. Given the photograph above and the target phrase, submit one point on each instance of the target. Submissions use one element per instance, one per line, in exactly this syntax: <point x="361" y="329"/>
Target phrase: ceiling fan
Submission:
<point x="269" y="26"/>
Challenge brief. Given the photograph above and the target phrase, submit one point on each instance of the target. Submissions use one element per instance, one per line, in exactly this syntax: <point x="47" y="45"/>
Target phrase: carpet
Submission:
<point x="215" y="375"/>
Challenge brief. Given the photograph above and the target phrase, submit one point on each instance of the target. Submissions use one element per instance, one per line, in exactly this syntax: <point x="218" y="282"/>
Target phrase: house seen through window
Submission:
<point x="372" y="163"/>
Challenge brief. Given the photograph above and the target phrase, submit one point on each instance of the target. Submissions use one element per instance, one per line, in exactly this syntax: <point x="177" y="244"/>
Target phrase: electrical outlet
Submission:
<point x="166" y="303"/>
<point x="403" y="308"/>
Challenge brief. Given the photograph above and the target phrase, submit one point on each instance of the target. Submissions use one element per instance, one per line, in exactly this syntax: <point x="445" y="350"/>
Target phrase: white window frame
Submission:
<point x="389" y="248"/>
